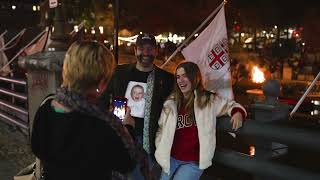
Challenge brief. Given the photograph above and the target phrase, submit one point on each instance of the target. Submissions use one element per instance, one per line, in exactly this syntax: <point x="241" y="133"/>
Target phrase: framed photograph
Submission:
<point x="135" y="94"/>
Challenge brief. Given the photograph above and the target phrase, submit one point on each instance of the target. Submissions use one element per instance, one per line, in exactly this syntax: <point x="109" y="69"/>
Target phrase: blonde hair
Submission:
<point x="85" y="64"/>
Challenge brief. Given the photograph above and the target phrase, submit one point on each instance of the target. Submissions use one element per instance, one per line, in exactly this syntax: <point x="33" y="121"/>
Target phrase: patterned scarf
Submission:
<point x="147" y="111"/>
<point x="77" y="102"/>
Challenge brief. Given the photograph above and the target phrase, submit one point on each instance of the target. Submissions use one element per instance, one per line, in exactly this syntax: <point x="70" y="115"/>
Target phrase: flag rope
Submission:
<point x="193" y="33"/>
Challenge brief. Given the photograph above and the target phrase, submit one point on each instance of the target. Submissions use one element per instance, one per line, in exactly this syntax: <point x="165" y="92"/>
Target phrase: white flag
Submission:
<point x="210" y="51"/>
<point x="3" y="59"/>
<point x="39" y="45"/>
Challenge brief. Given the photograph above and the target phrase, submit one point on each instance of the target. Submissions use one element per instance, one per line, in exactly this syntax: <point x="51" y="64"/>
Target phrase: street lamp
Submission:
<point x="59" y="36"/>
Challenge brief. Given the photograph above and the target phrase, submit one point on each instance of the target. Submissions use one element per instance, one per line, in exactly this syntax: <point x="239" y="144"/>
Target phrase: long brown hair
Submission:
<point x="194" y="75"/>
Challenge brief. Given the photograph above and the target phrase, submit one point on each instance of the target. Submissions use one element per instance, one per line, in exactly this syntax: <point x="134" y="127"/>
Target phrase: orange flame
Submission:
<point x="252" y="151"/>
<point x="257" y="75"/>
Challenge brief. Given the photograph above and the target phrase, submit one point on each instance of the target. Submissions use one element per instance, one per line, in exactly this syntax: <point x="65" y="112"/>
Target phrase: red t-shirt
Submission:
<point x="185" y="145"/>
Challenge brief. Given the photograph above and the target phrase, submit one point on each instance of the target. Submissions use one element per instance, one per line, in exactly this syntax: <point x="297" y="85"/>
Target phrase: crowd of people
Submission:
<point x="76" y="135"/>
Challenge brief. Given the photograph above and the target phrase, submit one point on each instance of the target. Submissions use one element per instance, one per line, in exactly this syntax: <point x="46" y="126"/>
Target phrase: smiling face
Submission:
<point x="146" y="54"/>
<point x="183" y="81"/>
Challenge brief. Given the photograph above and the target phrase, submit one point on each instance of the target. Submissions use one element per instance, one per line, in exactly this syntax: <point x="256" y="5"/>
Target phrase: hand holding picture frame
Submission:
<point x="135" y="94"/>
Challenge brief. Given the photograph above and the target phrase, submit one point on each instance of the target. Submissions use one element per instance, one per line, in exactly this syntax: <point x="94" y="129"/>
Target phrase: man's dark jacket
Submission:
<point x="163" y="85"/>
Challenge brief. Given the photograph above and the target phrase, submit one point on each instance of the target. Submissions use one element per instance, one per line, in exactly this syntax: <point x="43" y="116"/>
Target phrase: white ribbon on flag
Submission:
<point x="210" y="52"/>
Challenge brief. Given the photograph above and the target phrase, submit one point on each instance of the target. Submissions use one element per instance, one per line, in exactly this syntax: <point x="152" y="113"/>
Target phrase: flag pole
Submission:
<point x="193" y="33"/>
<point x="12" y="39"/>
<point x="2" y="34"/>
<point x="305" y="95"/>
<point x="48" y="28"/>
<point x="32" y="41"/>
<point x="79" y="27"/>
<point x="116" y="30"/>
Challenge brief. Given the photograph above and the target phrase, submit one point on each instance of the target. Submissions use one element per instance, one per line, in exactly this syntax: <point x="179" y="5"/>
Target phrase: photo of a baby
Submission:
<point x="135" y="94"/>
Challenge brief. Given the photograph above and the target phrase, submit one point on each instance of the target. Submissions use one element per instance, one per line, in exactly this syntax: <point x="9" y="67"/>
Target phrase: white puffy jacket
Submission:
<point x="206" y="124"/>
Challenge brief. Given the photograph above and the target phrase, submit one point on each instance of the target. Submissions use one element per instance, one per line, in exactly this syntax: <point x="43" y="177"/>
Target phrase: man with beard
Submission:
<point x="158" y="85"/>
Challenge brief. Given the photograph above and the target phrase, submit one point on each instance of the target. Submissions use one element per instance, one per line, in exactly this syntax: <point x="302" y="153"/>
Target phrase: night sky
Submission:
<point x="184" y="15"/>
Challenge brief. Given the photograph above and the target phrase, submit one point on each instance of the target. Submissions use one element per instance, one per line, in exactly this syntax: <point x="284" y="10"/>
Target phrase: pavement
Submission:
<point x="15" y="152"/>
<point x="7" y="169"/>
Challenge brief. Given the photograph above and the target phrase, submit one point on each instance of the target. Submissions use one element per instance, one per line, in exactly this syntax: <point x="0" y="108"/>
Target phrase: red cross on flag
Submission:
<point x="210" y="51"/>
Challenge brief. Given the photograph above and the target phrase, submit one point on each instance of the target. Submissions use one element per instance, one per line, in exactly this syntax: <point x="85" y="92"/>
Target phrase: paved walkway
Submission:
<point x="15" y="152"/>
<point x="7" y="169"/>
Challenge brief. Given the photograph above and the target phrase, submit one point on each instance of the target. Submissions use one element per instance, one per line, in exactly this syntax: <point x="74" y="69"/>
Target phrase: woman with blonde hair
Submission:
<point x="71" y="136"/>
<point x="186" y="140"/>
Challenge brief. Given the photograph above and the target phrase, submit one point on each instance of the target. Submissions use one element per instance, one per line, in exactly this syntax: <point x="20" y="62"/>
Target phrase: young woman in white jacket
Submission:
<point x="186" y="138"/>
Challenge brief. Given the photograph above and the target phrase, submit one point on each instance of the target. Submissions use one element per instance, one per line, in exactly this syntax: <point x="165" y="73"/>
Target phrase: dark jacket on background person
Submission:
<point x="77" y="146"/>
<point x="163" y="85"/>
